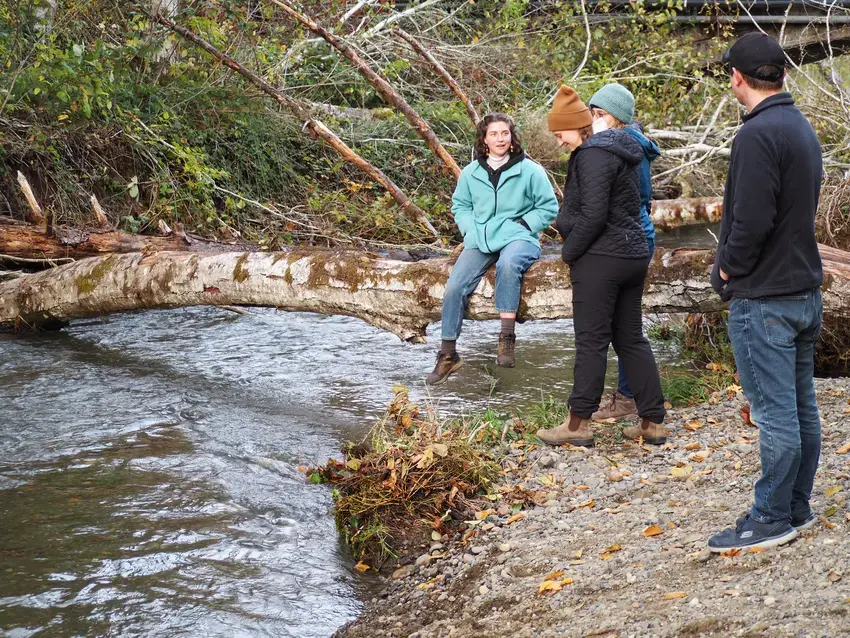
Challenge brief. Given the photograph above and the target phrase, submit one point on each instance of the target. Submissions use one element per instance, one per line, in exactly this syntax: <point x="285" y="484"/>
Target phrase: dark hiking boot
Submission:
<point x="749" y="533"/>
<point x="507" y="351"/>
<point x="575" y="431"/>
<point x="619" y="407"/>
<point x="652" y="433"/>
<point x="446" y="364"/>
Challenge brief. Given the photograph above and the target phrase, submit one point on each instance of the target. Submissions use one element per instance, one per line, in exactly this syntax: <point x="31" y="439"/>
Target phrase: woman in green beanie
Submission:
<point x="613" y="106"/>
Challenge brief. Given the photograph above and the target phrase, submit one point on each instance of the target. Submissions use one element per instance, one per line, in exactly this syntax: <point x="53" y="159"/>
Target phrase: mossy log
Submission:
<point x="401" y="297"/>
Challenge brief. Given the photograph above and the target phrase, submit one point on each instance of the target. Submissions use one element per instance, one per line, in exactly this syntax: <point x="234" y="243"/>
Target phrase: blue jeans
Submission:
<point x="623" y="383"/>
<point x="511" y="263"/>
<point x="774" y="339"/>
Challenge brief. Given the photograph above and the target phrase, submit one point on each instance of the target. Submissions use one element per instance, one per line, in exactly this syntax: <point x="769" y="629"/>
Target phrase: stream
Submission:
<point x="149" y="479"/>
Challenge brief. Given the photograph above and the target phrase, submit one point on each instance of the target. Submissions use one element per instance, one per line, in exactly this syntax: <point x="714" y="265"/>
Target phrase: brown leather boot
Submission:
<point x="507" y="351"/>
<point x="575" y="431"/>
<point x="652" y="433"/>
<point x="446" y="364"/>
<point x="619" y="407"/>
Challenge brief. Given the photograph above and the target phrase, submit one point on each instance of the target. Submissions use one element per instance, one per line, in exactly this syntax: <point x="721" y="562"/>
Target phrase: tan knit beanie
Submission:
<point x="568" y="112"/>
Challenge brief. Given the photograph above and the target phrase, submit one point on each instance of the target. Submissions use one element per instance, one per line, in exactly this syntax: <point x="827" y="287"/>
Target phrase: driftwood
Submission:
<point x="23" y="240"/>
<point x="401" y="297"/>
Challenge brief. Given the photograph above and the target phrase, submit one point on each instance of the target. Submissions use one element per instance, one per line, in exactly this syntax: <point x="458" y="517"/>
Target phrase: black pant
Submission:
<point x="607" y="293"/>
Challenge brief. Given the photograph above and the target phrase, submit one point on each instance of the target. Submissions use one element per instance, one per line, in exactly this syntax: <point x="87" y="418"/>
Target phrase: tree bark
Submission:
<point x="669" y="214"/>
<point x="318" y="129"/>
<point x="384" y="89"/>
<point x="440" y="70"/>
<point x="25" y="241"/>
<point x="401" y="297"/>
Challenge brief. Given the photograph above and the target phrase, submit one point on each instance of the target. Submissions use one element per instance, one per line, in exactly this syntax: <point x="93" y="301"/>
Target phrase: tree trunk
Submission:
<point x="401" y="297"/>
<point x="318" y="129"/>
<point x="669" y="214"/>
<point x="384" y="89"/>
<point x="25" y="241"/>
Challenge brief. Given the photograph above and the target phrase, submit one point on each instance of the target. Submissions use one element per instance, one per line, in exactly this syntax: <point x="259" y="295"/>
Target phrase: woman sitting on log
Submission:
<point x="608" y="255"/>
<point x="502" y="201"/>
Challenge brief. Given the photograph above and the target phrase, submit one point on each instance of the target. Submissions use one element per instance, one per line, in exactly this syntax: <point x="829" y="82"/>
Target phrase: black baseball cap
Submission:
<point x="753" y="51"/>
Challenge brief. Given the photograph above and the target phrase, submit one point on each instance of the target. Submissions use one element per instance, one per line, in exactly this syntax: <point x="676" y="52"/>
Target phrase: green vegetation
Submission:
<point x="97" y="99"/>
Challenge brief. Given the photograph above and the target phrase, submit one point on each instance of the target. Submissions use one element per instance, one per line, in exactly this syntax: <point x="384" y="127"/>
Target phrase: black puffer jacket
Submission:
<point x="601" y="209"/>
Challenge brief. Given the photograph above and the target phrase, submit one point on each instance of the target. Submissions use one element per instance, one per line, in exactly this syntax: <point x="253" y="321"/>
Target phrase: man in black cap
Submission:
<point x="768" y="265"/>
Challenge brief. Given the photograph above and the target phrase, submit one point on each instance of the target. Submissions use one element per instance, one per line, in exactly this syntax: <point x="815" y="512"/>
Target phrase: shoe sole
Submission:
<point x="447" y="375"/>
<point x="575" y="442"/>
<point x="616" y="417"/>
<point x="765" y="544"/>
<point x="807" y="525"/>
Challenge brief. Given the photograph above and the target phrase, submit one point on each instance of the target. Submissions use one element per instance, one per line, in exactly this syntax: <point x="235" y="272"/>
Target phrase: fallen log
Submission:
<point x="401" y="297"/>
<point x="29" y="241"/>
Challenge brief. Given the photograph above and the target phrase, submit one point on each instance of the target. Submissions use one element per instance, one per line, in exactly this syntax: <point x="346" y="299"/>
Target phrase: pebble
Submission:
<point x="769" y="601"/>
<point x="615" y="476"/>
<point x="423" y="560"/>
<point x="478" y="549"/>
<point x="483" y="590"/>
<point x="505" y="547"/>
<point x="404" y="572"/>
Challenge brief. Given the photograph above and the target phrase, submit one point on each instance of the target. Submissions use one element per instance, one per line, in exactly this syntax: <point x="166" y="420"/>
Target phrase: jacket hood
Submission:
<point x="650" y="148"/>
<point x="617" y="142"/>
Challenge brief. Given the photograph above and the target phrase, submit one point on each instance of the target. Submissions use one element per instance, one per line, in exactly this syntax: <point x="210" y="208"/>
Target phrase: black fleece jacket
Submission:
<point x="601" y="209"/>
<point x="767" y="240"/>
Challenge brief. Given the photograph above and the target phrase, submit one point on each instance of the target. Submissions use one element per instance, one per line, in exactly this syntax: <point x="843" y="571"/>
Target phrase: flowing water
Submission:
<point x="149" y="479"/>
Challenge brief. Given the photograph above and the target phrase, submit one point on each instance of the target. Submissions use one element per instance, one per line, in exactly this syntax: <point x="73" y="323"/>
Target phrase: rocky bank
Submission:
<point x="616" y="545"/>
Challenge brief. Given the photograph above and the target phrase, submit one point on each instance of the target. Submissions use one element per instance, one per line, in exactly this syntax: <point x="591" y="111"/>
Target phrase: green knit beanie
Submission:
<point x="617" y="100"/>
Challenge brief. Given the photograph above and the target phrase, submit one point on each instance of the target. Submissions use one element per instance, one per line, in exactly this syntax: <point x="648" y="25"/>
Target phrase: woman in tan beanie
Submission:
<point x="606" y="248"/>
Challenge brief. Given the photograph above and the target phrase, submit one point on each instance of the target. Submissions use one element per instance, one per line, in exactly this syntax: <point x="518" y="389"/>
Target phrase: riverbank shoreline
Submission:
<point x="617" y="546"/>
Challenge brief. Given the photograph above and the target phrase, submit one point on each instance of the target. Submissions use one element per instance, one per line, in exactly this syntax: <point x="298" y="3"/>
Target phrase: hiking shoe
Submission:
<point x="507" y="351"/>
<point x="804" y="524"/>
<point x="801" y="525"/>
<point x="446" y="364"/>
<point x="749" y="533"/>
<point x="619" y="406"/>
<point x="652" y="433"/>
<point x="575" y="431"/>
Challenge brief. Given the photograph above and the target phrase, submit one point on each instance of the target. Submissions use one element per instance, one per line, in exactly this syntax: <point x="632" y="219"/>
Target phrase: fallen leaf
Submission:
<point x="693" y="425"/>
<point x="606" y="556"/>
<point x="353" y="464"/>
<point x="589" y="503"/>
<point x="711" y="421"/>
<point x="832" y="491"/>
<point x="693" y="446"/>
<point x="554" y="575"/>
<point x="582" y="487"/>
<point x="833" y="576"/>
<point x="579" y="553"/>
<point x="74" y="499"/>
<point x="699" y="457"/>
<point x="577" y="562"/>
<point x="652" y="530"/>
<point x="681" y="472"/>
<point x="755" y="550"/>
<point x="844" y="449"/>
<point x="613" y="548"/>
<point x="673" y="595"/>
<point x="732" y="592"/>
<point x="829" y="511"/>
<point x="826" y="523"/>
<point x="553" y="586"/>
<point x="513" y="519"/>
<point x="731" y="553"/>
<point x="480" y="516"/>
<point x="435" y="535"/>
<point x="441" y="449"/>
<point x="362" y="567"/>
<point x="668" y="405"/>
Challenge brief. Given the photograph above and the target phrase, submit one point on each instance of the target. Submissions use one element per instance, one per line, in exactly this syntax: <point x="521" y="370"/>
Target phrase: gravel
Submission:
<point x="616" y="575"/>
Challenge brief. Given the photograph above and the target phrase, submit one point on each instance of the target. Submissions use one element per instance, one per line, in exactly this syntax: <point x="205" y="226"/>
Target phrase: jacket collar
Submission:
<point x="783" y="99"/>
<point x="513" y="167"/>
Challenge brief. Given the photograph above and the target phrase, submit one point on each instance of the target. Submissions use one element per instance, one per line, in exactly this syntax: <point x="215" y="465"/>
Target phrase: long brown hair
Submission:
<point x="481" y="133"/>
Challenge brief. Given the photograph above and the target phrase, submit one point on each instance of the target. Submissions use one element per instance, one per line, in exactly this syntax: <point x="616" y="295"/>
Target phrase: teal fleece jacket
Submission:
<point x="489" y="218"/>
